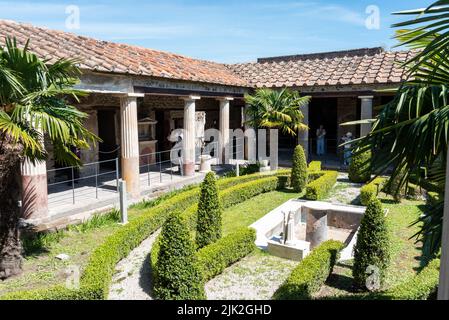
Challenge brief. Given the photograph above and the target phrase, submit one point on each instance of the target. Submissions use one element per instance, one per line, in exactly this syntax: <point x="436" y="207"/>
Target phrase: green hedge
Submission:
<point x="230" y="197"/>
<point x="314" y="166"/>
<point x="214" y="258"/>
<point x="319" y="188"/>
<point x="420" y="287"/>
<point x="369" y="191"/>
<point x="311" y="273"/>
<point x="360" y="167"/>
<point x="299" y="169"/>
<point x="97" y="276"/>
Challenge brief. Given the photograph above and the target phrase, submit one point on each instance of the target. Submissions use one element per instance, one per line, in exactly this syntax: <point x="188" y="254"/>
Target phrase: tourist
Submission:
<point x="321" y="138"/>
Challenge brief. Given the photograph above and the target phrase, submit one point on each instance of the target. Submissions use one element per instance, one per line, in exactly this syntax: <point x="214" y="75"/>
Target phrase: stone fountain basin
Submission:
<point x="343" y="222"/>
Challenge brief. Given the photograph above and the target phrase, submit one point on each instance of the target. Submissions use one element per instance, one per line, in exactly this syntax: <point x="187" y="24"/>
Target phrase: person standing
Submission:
<point x="348" y="152"/>
<point x="321" y="140"/>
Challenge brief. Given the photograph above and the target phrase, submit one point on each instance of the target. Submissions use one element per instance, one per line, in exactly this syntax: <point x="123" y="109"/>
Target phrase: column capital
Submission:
<point x="131" y="95"/>
<point x="225" y="99"/>
<point x="366" y="97"/>
<point x="191" y="98"/>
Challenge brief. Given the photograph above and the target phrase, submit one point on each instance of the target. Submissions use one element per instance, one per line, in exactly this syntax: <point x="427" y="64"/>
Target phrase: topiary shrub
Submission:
<point x="177" y="272"/>
<point x="370" y="191"/>
<point x="208" y="227"/>
<point x="360" y="167"/>
<point x="299" y="170"/>
<point x="373" y="245"/>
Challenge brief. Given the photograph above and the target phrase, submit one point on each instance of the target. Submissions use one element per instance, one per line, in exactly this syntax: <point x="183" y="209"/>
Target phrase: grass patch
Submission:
<point x="248" y="212"/>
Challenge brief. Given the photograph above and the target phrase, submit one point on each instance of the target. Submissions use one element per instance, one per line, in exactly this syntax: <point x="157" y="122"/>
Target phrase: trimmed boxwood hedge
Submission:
<point x="229" y="197"/>
<point x="311" y="273"/>
<point x="360" y="167"/>
<point x="97" y="276"/>
<point x="314" y="166"/>
<point x="216" y="257"/>
<point x="319" y="188"/>
<point x="369" y="191"/>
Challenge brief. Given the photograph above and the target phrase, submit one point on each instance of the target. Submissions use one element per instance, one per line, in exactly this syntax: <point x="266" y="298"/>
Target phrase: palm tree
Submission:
<point x="413" y="129"/>
<point x="277" y="109"/>
<point x="33" y="104"/>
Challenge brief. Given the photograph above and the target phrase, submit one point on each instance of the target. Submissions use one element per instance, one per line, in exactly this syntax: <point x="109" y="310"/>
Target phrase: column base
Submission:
<point x="189" y="169"/>
<point x="34" y="197"/>
<point x="130" y="173"/>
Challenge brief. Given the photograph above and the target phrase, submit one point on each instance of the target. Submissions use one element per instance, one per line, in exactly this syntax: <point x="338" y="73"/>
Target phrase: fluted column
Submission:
<point x="366" y="113"/>
<point x="34" y="189"/>
<point x="188" y="141"/>
<point x="224" y="129"/>
<point x="303" y="135"/>
<point x="130" y="143"/>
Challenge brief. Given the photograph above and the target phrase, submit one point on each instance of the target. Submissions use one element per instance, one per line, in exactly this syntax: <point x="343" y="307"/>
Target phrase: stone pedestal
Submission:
<point x="34" y="189"/>
<point x="205" y="164"/>
<point x="130" y="143"/>
<point x="316" y="225"/>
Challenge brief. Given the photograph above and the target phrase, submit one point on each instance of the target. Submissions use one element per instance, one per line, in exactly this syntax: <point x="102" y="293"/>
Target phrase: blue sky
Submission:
<point x="224" y="31"/>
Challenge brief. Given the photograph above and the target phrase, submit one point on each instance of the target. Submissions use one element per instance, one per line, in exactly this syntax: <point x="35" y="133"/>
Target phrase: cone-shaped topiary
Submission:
<point x="360" y="167"/>
<point x="209" y="224"/>
<point x="372" y="248"/>
<point x="299" y="170"/>
<point x="177" y="275"/>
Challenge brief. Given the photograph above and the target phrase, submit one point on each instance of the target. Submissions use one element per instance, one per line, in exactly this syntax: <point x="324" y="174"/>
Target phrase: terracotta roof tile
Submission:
<point x="118" y="58"/>
<point x="361" y="66"/>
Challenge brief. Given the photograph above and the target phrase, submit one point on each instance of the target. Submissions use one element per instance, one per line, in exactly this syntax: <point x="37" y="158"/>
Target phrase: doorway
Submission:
<point x="108" y="148"/>
<point x="323" y="111"/>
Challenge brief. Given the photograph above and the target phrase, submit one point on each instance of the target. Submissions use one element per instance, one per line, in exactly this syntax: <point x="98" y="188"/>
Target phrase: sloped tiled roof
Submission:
<point x="353" y="67"/>
<point x="105" y="56"/>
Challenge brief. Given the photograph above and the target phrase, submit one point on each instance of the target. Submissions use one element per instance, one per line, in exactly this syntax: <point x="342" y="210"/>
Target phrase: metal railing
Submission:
<point x="69" y="183"/>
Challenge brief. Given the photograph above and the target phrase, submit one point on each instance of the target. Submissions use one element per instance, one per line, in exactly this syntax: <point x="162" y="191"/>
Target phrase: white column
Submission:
<point x="34" y="189"/>
<point x="188" y="140"/>
<point x="366" y="113"/>
<point x="130" y="143"/>
<point x="224" y="129"/>
<point x="303" y="135"/>
<point x="443" y="288"/>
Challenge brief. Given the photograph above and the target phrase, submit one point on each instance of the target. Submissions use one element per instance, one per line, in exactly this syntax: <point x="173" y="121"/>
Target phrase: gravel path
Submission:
<point x="345" y="192"/>
<point x="132" y="280"/>
<point x="255" y="277"/>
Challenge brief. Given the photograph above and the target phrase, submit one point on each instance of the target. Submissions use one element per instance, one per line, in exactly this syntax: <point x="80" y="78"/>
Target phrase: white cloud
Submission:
<point x="334" y="13"/>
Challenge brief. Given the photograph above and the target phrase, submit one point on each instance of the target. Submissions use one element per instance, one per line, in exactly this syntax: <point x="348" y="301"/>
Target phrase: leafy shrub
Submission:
<point x="178" y="276"/>
<point x="311" y="273"/>
<point x="208" y="227"/>
<point x="319" y="188"/>
<point x="370" y="191"/>
<point x="314" y="166"/>
<point x="97" y="275"/>
<point x="420" y="287"/>
<point x="214" y="258"/>
<point x="373" y="245"/>
<point x="433" y="198"/>
<point x="299" y="169"/>
<point x="360" y="167"/>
